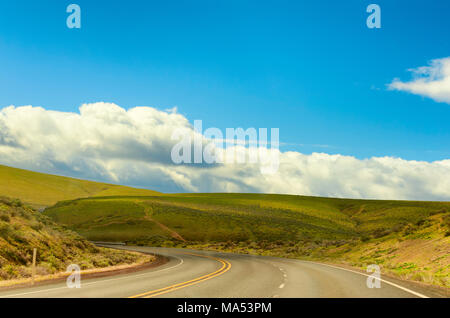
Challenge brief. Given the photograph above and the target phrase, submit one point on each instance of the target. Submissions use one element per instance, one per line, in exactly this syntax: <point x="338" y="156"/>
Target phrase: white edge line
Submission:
<point x="99" y="281"/>
<point x="385" y="281"/>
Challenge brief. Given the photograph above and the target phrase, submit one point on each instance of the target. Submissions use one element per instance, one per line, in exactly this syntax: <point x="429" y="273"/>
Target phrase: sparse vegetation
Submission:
<point x="23" y="228"/>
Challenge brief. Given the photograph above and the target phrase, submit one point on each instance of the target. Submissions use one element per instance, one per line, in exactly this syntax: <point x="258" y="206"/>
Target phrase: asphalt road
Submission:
<point x="210" y="274"/>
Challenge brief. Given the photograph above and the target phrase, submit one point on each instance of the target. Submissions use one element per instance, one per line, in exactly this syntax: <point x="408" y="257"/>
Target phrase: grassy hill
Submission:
<point x="239" y="217"/>
<point x="410" y="239"/>
<point x="23" y="228"/>
<point x="39" y="189"/>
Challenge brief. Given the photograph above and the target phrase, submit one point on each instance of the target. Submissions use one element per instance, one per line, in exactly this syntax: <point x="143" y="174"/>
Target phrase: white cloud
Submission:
<point x="431" y="81"/>
<point x="108" y="143"/>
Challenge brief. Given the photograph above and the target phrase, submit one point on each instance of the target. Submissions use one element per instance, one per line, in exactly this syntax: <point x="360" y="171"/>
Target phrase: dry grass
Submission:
<point x="141" y="260"/>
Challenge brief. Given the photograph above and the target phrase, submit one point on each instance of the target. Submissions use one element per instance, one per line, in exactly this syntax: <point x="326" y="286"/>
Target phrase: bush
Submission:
<point x="5" y="230"/>
<point x="423" y="223"/>
<point x="446" y="219"/>
<point x="16" y="203"/>
<point x="5" y="218"/>
<point x="408" y="230"/>
<point x="36" y="226"/>
<point x="101" y="262"/>
<point x="380" y="233"/>
<point x="398" y="227"/>
<point x="9" y="271"/>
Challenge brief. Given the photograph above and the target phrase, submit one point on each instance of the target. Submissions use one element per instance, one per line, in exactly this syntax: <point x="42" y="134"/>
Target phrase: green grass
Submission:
<point x="244" y="217"/>
<point x="39" y="189"/>
<point x="208" y="217"/>
<point x="354" y="232"/>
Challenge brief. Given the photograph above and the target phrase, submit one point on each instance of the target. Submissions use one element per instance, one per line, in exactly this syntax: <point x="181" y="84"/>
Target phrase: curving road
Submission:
<point x="211" y="274"/>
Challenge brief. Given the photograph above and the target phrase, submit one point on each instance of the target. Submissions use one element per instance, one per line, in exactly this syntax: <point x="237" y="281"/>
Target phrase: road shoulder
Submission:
<point x="154" y="261"/>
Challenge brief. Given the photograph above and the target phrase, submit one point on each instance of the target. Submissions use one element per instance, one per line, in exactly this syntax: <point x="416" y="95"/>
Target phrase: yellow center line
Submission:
<point x="225" y="267"/>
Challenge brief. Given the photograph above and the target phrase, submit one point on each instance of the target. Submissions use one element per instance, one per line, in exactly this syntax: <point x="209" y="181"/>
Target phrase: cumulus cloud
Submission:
<point x="431" y="81"/>
<point x="105" y="142"/>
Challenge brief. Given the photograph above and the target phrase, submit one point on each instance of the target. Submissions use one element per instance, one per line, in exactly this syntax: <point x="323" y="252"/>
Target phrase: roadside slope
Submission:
<point x="22" y="229"/>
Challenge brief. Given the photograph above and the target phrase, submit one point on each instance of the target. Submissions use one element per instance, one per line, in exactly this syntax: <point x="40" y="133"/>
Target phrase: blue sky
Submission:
<point x="313" y="68"/>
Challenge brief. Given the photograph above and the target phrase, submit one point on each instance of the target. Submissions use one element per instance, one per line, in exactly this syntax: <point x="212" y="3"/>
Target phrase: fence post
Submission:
<point x="33" y="270"/>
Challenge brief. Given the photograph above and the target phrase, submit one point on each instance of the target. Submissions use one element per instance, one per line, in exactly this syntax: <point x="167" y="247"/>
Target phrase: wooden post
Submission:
<point x="33" y="270"/>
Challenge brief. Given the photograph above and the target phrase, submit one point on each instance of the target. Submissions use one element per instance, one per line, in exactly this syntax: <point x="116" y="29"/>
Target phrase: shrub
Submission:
<point x="9" y="270"/>
<point x="446" y="219"/>
<point x="398" y="227"/>
<point x="5" y="230"/>
<point x="17" y="203"/>
<point x="409" y="229"/>
<point x="380" y="233"/>
<point x="423" y="223"/>
<point x="36" y="226"/>
<point x="101" y="262"/>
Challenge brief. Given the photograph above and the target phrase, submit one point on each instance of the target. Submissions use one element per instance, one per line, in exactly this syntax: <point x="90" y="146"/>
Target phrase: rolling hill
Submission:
<point x="239" y="217"/>
<point x="410" y="239"/>
<point x="407" y="238"/>
<point x="40" y="190"/>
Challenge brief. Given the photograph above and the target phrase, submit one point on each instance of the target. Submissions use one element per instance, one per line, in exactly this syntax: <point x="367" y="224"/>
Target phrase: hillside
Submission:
<point x="40" y="190"/>
<point x="23" y="228"/>
<point x="409" y="239"/>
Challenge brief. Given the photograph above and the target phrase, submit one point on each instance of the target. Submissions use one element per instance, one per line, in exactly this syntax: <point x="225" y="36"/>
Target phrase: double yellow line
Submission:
<point x="225" y="267"/>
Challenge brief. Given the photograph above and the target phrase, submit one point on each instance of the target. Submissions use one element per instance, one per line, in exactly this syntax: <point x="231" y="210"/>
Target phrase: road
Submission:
<point x="191" y="273"/>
